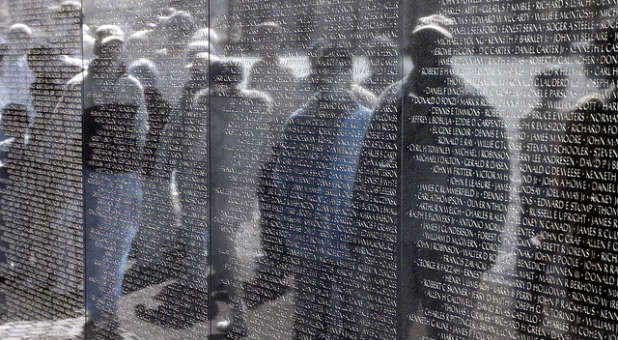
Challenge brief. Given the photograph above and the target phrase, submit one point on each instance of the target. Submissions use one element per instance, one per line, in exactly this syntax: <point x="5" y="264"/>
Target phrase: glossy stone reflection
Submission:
<point x="345" y="169"/>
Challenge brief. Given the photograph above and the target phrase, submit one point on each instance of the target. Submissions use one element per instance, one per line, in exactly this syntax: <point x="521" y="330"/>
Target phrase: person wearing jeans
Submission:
<point x="114" y="129"/>
<point x="112" y="217"/>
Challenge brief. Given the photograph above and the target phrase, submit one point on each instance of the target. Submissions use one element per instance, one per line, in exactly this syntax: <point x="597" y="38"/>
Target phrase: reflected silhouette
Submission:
<point x="112" y="189"/>
<point x="315" y="245"/>
<point x="233" y="181"/>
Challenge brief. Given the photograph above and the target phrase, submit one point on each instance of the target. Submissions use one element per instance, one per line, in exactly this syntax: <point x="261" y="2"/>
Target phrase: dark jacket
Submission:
<point x="115" y="121"/>
<point x="313" y="169"/>
<point x="306" y="213"/>
<point x="414" y="186"/>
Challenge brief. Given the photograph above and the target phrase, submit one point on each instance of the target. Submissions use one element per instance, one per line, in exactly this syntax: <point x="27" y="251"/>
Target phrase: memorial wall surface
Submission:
<point x="323" y="169"/>
<point x="42" y="188"/>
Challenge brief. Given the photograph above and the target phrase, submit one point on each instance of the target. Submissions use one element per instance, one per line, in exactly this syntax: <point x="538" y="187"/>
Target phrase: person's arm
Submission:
<point x="272" y="266"/>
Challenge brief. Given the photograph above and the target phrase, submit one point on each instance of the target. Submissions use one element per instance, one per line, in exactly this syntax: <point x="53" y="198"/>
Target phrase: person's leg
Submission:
<point x="153" y="241"/>
<point x="185" y="302"/>
<point x="313" y="316"/>
<point x="222" y="252"/>
<point x="127" y="223"/>
<point x="112" y="206"/>
<point x="92" y="252"/>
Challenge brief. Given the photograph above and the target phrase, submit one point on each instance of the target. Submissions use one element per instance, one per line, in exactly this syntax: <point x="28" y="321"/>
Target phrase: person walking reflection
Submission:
<point x="305" y="207"/>
<point x="149" y="245"/>
<point x="180" y="173"/>
<point x="235" y="157"/>
<point x="398" y="173"/>
<point x="114" y="132"/>
<point x="270" y="76"/>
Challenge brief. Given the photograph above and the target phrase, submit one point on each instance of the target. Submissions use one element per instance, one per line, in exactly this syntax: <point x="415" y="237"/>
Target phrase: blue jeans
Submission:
<point x="112" y="213"/>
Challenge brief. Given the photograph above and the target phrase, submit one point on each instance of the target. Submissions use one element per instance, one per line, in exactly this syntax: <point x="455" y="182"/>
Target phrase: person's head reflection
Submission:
<point x="332" y="69"/>
<point x="551" y="85"/>
<point x="178" y="29"/>
<point x="108" y="31"/>
<point x="103" y="32"/>
<point x="268" y="37"/>
<point x="146" y="72"/>
<point x="19" y="39"/>
<point x="424" y="39"/>
<point x="109" y="62"/>
<point x="225" y="76"/>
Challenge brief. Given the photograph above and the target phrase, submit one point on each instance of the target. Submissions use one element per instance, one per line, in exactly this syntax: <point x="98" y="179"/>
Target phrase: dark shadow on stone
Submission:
<point x="182" y="307"/>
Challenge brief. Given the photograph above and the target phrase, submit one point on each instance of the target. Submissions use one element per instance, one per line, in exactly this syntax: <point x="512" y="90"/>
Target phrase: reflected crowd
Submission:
<point x="226" y="177"/>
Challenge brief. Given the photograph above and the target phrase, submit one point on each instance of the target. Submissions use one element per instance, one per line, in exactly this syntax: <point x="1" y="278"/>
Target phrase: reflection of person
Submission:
<point x="198" y="67"/>
<point x="176" y="31"/>
<point x="233" y="112"/>
<point x="149" y="245"/>
<point x="65" y="28"/>
<point x="16" y="106"/>
<point x="306" y="205"/>
<point x="215" y="114"/>
<point x="270" y="76"/>
<point x="114" y="129"/>
<point x="392" y="185"/>
<point x="596" y="125"/>
<point x="551" y="86"/>
<point x="15" y="75"/>
<point x="159" y="110"/>
<point x="48" y="187"/>
<point x="165" y="132"/>
<point x="383" y="59"/>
